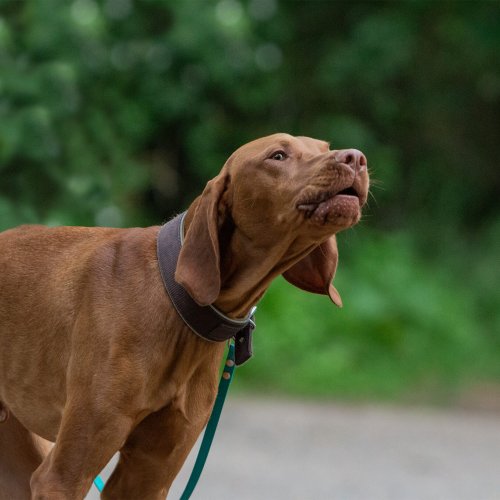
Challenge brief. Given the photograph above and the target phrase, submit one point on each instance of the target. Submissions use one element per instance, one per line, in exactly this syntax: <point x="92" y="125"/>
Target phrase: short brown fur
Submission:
<point x="93" y="356"/>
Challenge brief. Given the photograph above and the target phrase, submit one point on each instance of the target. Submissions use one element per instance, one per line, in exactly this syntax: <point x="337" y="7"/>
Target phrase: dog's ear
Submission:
<point x="198" y="266"/>
<point x="314" y="272"/>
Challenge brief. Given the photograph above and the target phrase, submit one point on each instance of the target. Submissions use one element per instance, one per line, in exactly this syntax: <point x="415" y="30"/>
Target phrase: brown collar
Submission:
<point x="206" y="321"/>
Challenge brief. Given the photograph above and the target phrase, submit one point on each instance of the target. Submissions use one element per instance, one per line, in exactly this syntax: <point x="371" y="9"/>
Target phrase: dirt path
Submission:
<point x="286" y="450"/>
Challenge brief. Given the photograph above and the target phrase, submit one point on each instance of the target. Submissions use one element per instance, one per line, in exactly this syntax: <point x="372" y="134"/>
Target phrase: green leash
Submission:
<point x="208" y="437"/>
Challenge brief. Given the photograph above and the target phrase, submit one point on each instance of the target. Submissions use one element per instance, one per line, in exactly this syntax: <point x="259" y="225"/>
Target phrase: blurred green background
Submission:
<point x="117" y="112"/>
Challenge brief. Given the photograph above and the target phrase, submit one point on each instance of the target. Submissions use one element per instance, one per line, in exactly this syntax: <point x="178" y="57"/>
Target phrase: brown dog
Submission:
<point x="94" y="357"/>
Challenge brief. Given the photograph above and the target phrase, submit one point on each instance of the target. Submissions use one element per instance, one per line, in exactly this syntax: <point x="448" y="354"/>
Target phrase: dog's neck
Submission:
<point x="246" y="274"/>
<point x="243" y="278"/>
<point x="246" y="270"/>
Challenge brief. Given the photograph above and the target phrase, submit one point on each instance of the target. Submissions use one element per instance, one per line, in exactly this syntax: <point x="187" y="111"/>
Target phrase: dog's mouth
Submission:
<point x="350" y="191"/>
<point x="332" y="205"/>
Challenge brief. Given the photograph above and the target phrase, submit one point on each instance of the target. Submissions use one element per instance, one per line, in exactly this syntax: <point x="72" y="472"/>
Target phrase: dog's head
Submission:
<point x="284" y="197"/>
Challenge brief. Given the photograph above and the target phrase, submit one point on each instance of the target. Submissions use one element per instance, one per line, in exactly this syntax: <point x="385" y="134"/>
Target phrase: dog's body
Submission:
<point x="93" y="355"/>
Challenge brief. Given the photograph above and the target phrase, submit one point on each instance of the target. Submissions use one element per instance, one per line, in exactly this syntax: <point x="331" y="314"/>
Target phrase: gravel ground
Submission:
<point x="284" y="450"/>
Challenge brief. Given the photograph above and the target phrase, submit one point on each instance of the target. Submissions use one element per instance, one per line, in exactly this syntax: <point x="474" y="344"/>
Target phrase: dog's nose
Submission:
<point x="352" y="157"/>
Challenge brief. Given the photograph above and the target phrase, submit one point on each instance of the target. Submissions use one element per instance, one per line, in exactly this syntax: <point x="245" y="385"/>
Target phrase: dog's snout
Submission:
<point x="352" y="157"/>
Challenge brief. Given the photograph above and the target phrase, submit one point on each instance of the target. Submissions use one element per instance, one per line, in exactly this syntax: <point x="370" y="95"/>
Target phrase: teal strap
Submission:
<point x="99" y="483"/>
<point x="208" y="437"/>
<point x="225" y="381"/>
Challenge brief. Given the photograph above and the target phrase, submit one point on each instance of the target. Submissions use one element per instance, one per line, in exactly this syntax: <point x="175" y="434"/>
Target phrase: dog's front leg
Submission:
<point x="86" y="441"/>
<point x="154" y="453"/>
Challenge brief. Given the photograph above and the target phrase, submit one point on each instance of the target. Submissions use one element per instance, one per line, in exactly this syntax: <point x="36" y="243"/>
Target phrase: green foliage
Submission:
<point x="116" y="112"/>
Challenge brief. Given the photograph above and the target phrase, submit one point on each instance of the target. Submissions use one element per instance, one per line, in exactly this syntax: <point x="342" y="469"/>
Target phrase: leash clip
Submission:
<point x="243" y="348"/>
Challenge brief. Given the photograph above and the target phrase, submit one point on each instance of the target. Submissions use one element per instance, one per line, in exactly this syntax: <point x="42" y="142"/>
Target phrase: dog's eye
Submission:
<point x="279" y="156"/>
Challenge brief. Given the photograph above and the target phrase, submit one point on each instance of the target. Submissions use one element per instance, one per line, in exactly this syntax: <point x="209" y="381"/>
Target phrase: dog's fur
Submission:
<point x="92" y="354"/>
